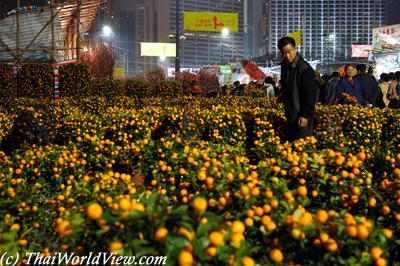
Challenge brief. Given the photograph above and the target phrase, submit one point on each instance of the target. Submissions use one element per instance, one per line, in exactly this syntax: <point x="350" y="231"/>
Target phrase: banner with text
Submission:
<point x="386" y="38"/>
<point x="157" y="49"/>
<point x="210" y="21"/>
<point x="361" y="50"/>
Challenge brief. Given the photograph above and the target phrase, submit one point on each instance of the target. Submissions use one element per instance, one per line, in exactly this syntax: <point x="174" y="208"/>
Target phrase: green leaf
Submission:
<point x="175" y="244"/>
<point x="179" y="211"/>
<point x="9" y="236"/>
<point x="199" y="244"/>
<point x="223" y="253"/>
<point x="204" y="229"/>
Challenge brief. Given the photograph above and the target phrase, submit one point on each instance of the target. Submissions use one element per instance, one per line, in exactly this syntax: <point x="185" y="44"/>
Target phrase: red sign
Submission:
<point x="361" y="50"/>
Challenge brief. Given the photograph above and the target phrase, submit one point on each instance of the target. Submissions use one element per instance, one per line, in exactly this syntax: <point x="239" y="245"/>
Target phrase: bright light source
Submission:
<point x="85" y="49"/>
<point x="225" y="32"/>
<point x="182" y="37"/>
<point x="332" y="36"/>
<point x="162" y="58"/>
<point x="107" y="31"/>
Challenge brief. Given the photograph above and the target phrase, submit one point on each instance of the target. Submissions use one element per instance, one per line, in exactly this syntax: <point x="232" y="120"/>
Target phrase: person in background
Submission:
<point x="393" y="84"/>
<point x="332" y="88"/>
<point x="269" y="87"/>
<point x="370" y="71"/>
<point x="224" y="89"/>
<point x="367" y="85"/>
<point x="394" y="91"/>
<point x="299" y="91"/>
<point x="346" y="84"/>
<point x="383" y="100"/>
<point x="241" y="90"/>
<point x="323" y="89"/>
<point x="235" y="89"/>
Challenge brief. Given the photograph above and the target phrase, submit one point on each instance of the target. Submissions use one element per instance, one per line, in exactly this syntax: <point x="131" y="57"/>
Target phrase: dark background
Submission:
<point x="393" y="7"/>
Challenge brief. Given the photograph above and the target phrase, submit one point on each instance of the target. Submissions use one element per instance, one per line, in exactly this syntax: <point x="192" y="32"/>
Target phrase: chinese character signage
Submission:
<point x="387" y="37"/>
<point x="361" y="50"/>
<point x="210" y="21"/>
<point x="157" y="49"/>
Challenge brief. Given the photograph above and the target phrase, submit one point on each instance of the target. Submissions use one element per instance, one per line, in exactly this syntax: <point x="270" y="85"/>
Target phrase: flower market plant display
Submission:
<point x="200" y="181"/>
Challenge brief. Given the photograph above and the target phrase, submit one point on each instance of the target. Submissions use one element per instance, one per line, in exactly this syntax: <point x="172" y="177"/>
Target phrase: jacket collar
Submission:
<point x="294" y="63"/>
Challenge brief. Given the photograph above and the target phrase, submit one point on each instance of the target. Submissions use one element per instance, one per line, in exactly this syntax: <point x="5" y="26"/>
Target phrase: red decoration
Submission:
<point x="253" y="71"/>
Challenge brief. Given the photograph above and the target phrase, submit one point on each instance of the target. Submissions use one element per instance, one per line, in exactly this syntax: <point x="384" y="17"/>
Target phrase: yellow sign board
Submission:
<point x="118" y="72"/>
<point x="157" y="49"/>
<point x="210" y="21"/>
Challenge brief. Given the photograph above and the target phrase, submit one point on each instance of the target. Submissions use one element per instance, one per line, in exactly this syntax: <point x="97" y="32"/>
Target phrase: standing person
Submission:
<point x="241" y="90"/>
<point x="235" y="89"/>
<point x="383" y="100"/>
<point x="269" y="87"/>
<point x="299" y="91"/>
<point x="332" y="88"/>
<point x="323" y="89"/>
<point x="346" y="84"/>
<point x="367" y="86"/>
<point x="394" y="80"/>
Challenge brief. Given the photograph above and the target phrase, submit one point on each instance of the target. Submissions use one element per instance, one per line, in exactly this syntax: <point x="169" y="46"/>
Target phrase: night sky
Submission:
<point x="393" y="15"/>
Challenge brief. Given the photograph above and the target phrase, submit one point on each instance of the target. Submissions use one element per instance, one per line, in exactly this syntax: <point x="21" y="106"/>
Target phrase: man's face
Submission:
<point x="349" y="71"/>
<point x="288" y="53"/>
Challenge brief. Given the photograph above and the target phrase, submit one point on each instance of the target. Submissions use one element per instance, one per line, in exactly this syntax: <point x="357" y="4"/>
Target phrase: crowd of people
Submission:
<point x="363" y="86"/>
<point x="301" y="88"/>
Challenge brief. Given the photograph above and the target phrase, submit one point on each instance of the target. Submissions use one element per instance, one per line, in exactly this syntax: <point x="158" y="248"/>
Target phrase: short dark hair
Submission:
<point x="397" y="75"/>
<point x="361" y="68"/>
<point x="285" y="41"/>
<point x="326" y="77"/>
<point x="269" y="80"/>
<point x="385" y="77"/>
<point x="347" y="66"/>
<point x="335" y="74"/>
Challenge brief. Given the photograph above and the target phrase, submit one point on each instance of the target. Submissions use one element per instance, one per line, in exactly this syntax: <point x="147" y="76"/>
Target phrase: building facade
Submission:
<point x="329" y="27"/>
<point x="207" y="48"/>
<point x="136" y="21"/>
<point x="252" y="27"/>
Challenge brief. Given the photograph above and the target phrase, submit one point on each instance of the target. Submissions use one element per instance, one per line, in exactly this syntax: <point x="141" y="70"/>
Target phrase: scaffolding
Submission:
<point x="51" y="33"/>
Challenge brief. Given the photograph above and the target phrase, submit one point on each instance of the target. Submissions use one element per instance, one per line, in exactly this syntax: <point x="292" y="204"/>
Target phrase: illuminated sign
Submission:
<point x="210" y="21"/>
<point x="361" y="50"/>
<point x="157" y="49"/>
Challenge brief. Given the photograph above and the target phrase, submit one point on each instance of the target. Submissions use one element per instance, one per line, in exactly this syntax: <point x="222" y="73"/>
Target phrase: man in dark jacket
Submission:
<point x="299" y="91"/>
<point x="331" y="89"/>
<point x="235" y="89"/>
<point x="367" y="85"/>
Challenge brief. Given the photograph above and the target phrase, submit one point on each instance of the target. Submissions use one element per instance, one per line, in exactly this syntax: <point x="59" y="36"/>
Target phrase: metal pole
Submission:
<point x="78" y="33"/>
<point x="52" y="46"/>
<point x="220" y="50"/>
<point x="177" y="37"/>
<point x="17" y="55"/>
<point x="126" y="64"/>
